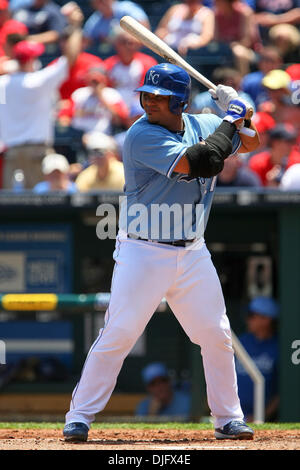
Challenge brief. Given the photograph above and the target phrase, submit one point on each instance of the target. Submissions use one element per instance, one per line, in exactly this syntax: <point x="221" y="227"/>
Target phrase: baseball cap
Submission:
<point x="264" y="306"/>
<point x="27" y="50"/>
<point x="99" y="141"/>
<point x="294" y="71"/>
<point x="263" y="121"/>
<point x="4" y="5"/>
<point x="153" y="371"/>
<point x="276" y="79"/>
<point x="55" y="161"/>
<point x="283" y="132"/>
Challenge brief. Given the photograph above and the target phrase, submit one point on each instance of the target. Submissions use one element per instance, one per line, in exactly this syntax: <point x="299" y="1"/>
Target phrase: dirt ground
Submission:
<point x="39" y="439"/>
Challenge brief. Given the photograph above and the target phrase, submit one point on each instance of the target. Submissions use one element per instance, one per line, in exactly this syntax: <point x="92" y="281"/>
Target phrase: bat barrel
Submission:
<point x="157" y="45"/>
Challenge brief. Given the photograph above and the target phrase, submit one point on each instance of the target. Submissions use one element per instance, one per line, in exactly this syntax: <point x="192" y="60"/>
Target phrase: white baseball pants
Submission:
<point x="144" y="273"/>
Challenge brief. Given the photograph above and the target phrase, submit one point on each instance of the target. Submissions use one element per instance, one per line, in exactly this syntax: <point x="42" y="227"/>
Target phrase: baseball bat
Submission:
<point x="157" y="45"/>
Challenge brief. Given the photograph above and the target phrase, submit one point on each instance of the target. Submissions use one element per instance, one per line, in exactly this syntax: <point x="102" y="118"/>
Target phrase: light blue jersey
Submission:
<point x="160" y="204"/>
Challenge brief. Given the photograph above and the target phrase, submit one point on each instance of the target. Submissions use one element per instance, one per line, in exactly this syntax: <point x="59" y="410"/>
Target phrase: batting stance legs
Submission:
<point x="188" y="280"/>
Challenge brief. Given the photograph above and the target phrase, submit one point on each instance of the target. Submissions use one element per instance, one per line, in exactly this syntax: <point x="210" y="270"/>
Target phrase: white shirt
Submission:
<point x="28" y="113"/>
<point x="126" y="78"/>
<point x="89" y="112"/>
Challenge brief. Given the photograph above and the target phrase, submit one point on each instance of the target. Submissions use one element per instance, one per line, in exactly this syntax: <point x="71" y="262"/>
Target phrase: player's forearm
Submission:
<point x="73" y="45"/>
<point x="270" y="19"/>
<point x="249" y="143"/>
<point x="290" y="17"/>
<point x="266" y="19"/>
<point x="45" y="38"/>
<point x="206" y="159"/>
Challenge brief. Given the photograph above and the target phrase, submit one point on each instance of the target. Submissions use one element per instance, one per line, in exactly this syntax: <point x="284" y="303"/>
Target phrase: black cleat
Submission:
<point x="76" y="432"/>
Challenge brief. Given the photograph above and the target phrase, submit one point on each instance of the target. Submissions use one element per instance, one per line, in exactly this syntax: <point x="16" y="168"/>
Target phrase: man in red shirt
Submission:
<point x="76" y="79"/>
<point x="77" y="74"/>
<point x="126" y="70"/>
<point x="282" y="152"/>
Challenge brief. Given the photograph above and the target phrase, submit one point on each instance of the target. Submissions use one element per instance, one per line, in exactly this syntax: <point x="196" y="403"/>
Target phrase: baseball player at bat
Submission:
<point x="171" y="160"/>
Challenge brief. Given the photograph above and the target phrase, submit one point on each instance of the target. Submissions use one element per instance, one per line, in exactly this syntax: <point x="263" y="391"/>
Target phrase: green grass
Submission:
<point x="179" y="426"/>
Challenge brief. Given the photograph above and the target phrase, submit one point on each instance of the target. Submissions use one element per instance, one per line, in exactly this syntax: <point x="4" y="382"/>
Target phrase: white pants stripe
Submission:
<point x="145" y="273"/>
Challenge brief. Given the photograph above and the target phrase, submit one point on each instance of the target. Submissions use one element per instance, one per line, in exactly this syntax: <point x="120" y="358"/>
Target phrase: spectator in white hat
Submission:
<point x="105" y="171"/>
<point x="55" y="168"/>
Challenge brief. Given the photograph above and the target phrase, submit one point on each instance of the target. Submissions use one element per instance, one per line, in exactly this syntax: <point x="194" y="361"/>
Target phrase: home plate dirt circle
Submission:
<point x="131" y="439"/>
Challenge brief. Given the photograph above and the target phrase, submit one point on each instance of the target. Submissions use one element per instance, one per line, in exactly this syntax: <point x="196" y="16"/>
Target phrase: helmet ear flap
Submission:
<point x="141" y="95"/>
<point x="176" y="105"/>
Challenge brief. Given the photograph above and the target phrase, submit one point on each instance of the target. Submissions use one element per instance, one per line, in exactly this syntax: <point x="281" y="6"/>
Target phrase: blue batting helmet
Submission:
<point x="169" y="80"/>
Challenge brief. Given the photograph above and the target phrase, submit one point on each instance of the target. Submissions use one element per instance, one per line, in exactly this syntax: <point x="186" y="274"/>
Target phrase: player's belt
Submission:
<point x="182" y="243"/>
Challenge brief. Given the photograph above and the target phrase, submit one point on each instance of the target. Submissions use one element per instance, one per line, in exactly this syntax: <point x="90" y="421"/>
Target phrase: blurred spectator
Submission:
<point x="77" y="74"/>
<point x="163" y="399"/>
<point x="278" y="85"/>
<point x="76" y="79"/>
<point x="135" y="112"/>
<point x="99" y="26"/>
<point x="97" y="107"/>
<point x="127" y="69"/>
<point x="274" y="12"/>
<point x="235" y="26"/>
<point x="8" y="64"/>
<point x="44" y="20"/>
<point x="104" y="172"/>
<point x="8" y="25"/>
<point x="286" y="38"/>
<point x="203" y="102"/>
<point x="187" y="25"/>
<point x="55" y="168"/>
<point x="236" y="174"/>
<point x="268" y="59"/>
<point x="291" y="179"/>
<point x="261" y="343"/>
<point x="26" y="121"/>
<point x="263" y="123"/>
<point x="271" y="164"/>
<point x="16" y="4"/>
<point x="293" y="71"/>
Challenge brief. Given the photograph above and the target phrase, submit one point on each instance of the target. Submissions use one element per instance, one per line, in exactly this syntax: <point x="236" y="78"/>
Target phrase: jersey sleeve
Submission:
<point x="52" y="76"/>
<point x="159" y="151"/>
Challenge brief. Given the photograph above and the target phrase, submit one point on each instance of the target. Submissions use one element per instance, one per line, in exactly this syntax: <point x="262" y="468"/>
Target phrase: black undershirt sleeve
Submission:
<point x="206" y="159"/>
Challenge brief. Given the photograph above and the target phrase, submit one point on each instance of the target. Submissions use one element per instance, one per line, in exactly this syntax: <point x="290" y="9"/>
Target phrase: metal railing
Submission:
<point x="99" y="302"/>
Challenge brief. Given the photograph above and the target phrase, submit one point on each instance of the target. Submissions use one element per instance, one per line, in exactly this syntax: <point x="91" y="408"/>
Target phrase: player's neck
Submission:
<point x="176" y="124"/>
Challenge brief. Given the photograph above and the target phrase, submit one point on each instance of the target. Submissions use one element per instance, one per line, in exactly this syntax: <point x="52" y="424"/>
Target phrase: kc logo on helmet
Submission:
<point x="153" y="77"/>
